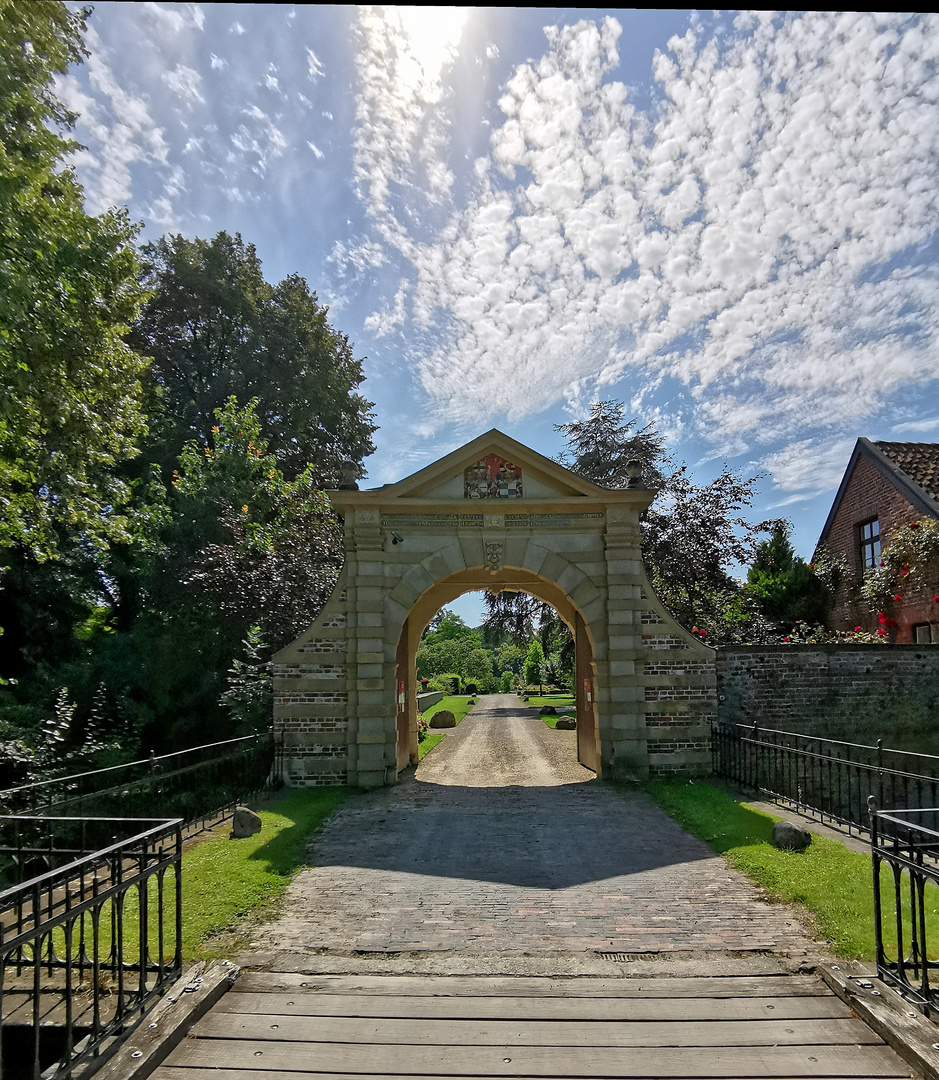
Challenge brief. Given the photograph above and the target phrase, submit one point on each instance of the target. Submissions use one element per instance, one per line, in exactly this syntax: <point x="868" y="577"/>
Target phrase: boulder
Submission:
<point x="565" y="723"/>
<point x="444" y="718"/>
<point x="789" y="837"/>
<point x="548" y="710"/>
<point x="244" y="823"/>
<point x="472" y="701"/>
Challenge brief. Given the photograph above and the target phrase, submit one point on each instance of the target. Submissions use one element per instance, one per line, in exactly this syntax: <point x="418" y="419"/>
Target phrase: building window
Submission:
<point x="870" y="543"/>
<point x="922" y="634"/>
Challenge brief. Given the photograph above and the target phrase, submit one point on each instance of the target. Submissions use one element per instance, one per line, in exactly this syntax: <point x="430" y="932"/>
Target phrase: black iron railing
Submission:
<point x="827" y="777"/>
<point x="906" y="842"/>
<point x="90" y="932"/>
<point x="188" y="784"/>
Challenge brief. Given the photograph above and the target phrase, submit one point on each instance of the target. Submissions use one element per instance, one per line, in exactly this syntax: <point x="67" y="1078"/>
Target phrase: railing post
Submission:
<point x="756" y="757"/>
<point x="875" y="865"/>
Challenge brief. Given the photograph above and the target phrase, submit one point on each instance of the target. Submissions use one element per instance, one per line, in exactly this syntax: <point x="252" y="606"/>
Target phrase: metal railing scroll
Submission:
<point x="906" y="842"/>
<point x="90" y="932"/>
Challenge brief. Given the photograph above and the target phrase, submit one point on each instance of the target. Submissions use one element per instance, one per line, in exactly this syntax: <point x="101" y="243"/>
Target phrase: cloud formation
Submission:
<point x="753" y="241"/>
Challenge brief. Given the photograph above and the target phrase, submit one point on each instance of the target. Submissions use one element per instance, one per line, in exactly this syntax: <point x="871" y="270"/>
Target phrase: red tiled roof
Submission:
<point x="920" y="462"/>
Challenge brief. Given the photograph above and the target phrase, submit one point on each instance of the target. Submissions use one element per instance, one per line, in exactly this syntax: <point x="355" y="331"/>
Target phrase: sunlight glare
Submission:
<point x="432" y="35"/>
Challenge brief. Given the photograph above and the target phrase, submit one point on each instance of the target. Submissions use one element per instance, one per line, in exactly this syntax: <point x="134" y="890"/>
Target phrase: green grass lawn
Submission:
<point x="225" y="880"/>
<point x="564" y="703"/>
<point x="458" y="706"/>
<point x="830" y="883"/>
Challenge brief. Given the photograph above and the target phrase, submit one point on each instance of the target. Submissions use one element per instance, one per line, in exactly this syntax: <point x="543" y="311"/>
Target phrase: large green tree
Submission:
<point x="70" y="403"/>
<point x="694" y="536"/>
<point x="216" y="330"/>
<point x="786" y="588"/>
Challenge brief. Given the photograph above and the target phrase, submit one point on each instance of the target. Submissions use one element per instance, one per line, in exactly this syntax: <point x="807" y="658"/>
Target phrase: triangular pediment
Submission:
<point x="492" y="467"/>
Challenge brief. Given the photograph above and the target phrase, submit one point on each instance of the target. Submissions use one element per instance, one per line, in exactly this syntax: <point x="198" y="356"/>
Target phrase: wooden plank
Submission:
<point x="484" y="1008"/>
<point x="174" y="1074"/>
<point x="169" y="1073"/>
<point x="452" y="1061"/>
<point x="527" y="986"/>
<point x="472" y="1034"/>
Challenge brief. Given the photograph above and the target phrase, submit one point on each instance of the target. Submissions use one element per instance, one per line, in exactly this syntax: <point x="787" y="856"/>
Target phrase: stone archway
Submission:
<point x="493" y="512"/>
<point x="512" y="579"/>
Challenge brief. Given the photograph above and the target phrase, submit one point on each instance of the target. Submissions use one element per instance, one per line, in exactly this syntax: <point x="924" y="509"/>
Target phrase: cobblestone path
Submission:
<point x="500" y="842"/>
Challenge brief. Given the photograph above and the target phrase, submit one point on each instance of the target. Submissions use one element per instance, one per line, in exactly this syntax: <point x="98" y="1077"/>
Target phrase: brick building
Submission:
<point x="886" y="484"/>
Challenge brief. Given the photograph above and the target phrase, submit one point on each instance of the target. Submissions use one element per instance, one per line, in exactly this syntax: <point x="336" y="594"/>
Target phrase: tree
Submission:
<point x="216" y="330"/>
<point x="534" y="664"/>
<point x="601" y="447"/>
<point x="785" y="587"/>
<point x="692" y="535"/>
<point x="68" y="292"/>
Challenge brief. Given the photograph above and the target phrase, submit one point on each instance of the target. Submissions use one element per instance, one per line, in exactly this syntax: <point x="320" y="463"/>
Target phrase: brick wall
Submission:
<point x="854" y="693"/>
<point x="871" y="494"/>
<point x="680" y="698"/>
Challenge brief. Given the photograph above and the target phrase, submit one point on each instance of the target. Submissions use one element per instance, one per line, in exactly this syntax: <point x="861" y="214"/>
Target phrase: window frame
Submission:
<point x="869" y="545"/>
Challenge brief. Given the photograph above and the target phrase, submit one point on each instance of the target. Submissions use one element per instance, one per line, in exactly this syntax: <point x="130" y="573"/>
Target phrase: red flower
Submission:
<point x="703" y="633"/>
<point x="881" y="616"/>
<point x="857" y="628"/>
<point x="914" y="524"/>
<point x="897" y="598"/>
<point x="882" y="632"/>
<point x="785" y="639"/>
<point x="935" y="599"/>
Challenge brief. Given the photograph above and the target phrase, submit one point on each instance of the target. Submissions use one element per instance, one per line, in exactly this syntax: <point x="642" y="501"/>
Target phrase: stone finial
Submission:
<point x="244" y="823"/>
<point x="347" y="475"/>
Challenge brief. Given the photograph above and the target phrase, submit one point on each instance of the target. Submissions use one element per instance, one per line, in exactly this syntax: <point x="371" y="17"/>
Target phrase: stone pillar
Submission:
<point x="623" y="746"/>
<point x="372" y="724"/>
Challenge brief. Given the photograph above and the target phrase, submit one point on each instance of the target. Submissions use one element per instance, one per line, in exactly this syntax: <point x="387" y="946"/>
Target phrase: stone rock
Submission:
<point x="244" y="823"/>
<point x="548" y="710"/>
<point x="565" y="723"/>
<point x="524" y="697"/>
<point x="472" y="701"/>
<point x="789" y="837"/>
<point x="444" y="718"/>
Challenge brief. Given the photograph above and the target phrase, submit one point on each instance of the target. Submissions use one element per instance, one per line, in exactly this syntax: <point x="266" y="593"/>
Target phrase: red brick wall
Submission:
<point x="871" y="494"/>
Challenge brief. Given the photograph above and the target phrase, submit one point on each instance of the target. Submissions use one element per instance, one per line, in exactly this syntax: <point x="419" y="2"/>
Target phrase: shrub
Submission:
<point x="422" y="727"/>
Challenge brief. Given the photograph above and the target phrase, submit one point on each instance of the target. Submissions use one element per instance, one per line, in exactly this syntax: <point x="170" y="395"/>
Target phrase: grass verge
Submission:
<point x="225" y="880"/>
<point x="832" y="885"/>
<point x="458" y="705"/>
<point x="560" y="701"/>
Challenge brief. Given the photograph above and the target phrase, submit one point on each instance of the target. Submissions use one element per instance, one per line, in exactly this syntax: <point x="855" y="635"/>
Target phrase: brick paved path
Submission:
<point x="571" y="866"/>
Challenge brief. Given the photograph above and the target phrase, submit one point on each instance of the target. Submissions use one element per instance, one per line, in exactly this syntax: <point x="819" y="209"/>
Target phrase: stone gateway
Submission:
<point x="492" y="515"/>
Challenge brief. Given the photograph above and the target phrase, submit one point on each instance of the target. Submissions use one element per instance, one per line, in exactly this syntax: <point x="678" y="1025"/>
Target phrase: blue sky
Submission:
<point x="728" y="221"/>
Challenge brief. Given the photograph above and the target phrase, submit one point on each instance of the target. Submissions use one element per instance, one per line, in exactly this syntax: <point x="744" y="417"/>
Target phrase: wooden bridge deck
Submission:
<point x="285" y="1026"/>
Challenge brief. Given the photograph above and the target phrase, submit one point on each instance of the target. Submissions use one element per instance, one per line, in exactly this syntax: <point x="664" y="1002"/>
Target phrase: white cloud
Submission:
<point x="117" y="127"/>
<point x="218" y="64"/>
<point x="314" y="66"/>
<point x="185" y="82"/>
<point x="743" y="240"/>
<point x="400" y="132"/>
<point x="317" y="153"/>
<point x="808" y="467"/>
<point x="916" y="426"/>
<point x="173" y="19"/>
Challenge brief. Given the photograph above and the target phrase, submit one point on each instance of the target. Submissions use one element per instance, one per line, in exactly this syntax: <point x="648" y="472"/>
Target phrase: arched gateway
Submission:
<point x="492" y="515"/>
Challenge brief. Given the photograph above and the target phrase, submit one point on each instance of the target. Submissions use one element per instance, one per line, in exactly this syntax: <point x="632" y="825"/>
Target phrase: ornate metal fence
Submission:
<point x="833" y="779"/>
<point x="906" y="842"/>
<point x="189" y="784"/>
<point x="90" y="931"/>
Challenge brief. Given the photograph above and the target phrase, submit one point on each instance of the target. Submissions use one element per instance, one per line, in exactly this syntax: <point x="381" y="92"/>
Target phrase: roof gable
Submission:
<point x="889" y="459"/>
